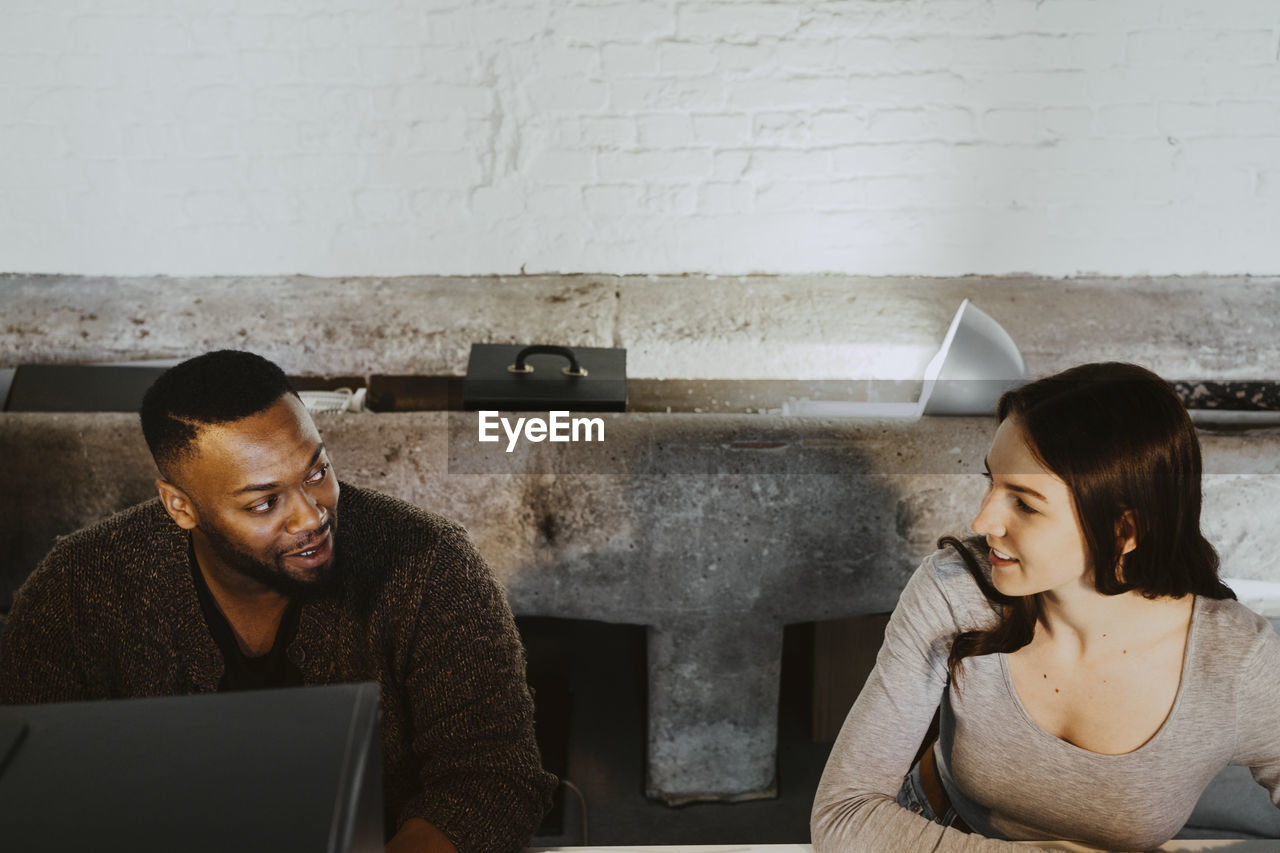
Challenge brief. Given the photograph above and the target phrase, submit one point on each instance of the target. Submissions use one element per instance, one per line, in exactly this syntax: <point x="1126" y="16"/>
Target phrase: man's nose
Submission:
<point x="305" y="514"/>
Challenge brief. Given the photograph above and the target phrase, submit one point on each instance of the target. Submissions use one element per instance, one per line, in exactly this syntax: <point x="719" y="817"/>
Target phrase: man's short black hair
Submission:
<point x="215" y="388"/>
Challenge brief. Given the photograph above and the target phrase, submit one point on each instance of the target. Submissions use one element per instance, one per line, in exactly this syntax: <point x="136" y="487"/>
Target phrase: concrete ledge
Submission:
<point x="700" y="327"/>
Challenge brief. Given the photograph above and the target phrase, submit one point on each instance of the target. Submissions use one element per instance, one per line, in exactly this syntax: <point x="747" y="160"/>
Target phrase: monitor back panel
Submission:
<point x="270" y="770"/>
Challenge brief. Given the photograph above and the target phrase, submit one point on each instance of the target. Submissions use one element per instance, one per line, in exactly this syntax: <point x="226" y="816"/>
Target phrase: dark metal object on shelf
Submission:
<point x="511" y="377"/>
<point x="79" y="387"/>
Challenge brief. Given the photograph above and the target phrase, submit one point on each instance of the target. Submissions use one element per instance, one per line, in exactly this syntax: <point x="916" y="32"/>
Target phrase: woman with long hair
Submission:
<point x="1090" y="671"/>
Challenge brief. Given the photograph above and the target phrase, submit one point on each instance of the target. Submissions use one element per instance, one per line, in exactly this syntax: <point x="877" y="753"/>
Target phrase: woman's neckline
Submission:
<point x="1183" y="676"/>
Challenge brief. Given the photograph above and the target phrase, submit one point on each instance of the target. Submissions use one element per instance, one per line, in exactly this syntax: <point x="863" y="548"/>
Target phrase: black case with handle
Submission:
<point x="540" y="377"/>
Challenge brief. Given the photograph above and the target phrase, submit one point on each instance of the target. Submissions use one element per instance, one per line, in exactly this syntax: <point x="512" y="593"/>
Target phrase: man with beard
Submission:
<point x="254" y="568"/>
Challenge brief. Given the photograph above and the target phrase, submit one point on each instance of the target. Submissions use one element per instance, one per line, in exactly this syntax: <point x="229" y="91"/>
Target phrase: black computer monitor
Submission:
<point x="274" y="771"/>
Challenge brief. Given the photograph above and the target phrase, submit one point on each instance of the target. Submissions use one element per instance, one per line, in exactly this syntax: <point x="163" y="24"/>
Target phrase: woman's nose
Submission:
<point x="987" y="522"/>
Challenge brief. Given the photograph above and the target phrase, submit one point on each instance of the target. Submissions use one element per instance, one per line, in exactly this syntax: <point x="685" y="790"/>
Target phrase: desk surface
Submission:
<point x="1177" y="846"/>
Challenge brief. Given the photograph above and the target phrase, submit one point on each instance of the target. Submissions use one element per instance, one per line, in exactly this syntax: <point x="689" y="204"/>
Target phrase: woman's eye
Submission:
<point x="1023" y="506"/>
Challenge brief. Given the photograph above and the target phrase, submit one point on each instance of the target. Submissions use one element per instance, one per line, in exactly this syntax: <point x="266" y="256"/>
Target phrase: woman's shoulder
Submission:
<point x="1237" y="658"/>
<point x="1235" y="650"/>
<point x="948" y="563"/>
<point x="954" y="571"/>
<point x="1231" y="629"/>
<point x="945" y="584"/>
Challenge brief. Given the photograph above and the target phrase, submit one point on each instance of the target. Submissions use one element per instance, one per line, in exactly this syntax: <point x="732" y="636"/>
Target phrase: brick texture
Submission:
<point x="390" y="137"/>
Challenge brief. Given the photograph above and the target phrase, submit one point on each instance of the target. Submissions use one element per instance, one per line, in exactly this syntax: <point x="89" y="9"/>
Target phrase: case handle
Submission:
<point x="540" y="349"/>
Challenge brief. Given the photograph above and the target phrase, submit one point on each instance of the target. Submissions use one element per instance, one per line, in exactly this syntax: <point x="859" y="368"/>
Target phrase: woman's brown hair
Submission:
<point x="1121" y="440"/>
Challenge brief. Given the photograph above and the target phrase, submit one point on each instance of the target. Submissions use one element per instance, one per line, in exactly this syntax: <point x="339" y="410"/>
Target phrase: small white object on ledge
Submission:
<point x="336" y="401"/>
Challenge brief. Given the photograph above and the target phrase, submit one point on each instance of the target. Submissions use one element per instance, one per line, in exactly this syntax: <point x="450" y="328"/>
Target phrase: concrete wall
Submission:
<point x="388" y="137"/>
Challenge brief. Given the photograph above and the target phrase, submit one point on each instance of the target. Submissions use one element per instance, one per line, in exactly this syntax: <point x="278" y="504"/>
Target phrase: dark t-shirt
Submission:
<point x="241" y="672"/>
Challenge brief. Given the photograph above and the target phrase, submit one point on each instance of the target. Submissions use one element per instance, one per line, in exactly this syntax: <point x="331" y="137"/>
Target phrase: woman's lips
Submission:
<point x="1001" y="559"/>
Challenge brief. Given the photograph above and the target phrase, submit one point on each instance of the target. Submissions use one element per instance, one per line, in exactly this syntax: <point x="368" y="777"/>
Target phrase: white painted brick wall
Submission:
<point x="936" y="137"/>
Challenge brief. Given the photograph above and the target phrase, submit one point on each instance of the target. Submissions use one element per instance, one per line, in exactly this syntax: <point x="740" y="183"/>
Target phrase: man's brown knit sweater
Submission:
<point x="112" y="612"/>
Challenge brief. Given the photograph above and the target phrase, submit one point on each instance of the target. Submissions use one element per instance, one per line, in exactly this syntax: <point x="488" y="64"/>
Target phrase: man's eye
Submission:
<point x="319" y="474"/>
<point x="263" y="505"/>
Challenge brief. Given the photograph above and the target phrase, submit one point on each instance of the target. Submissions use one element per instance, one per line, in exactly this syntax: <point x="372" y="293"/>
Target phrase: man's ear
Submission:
<point x="177" y="504"/>
<point x="1127" y="532"/>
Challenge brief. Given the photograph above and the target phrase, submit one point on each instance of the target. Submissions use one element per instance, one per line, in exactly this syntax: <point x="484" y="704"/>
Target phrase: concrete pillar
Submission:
<point x="713" y="708"/>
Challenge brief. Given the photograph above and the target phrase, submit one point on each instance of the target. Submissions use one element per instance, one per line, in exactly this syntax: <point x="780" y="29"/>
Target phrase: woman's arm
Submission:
<point x="854" y="809"/>
<point x="1258" y="713"/>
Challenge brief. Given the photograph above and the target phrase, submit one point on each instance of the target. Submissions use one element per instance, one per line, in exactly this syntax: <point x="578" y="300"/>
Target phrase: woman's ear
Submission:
<point x="1127" y="532"/>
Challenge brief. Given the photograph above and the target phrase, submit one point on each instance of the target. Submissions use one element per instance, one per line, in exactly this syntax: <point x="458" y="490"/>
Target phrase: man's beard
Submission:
<point x="274" y="574"/>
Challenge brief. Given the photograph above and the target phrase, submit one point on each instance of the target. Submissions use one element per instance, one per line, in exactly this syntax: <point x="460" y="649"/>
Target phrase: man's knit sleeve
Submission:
<point x="482" y="782"/>
<point x="39" y="658"/>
